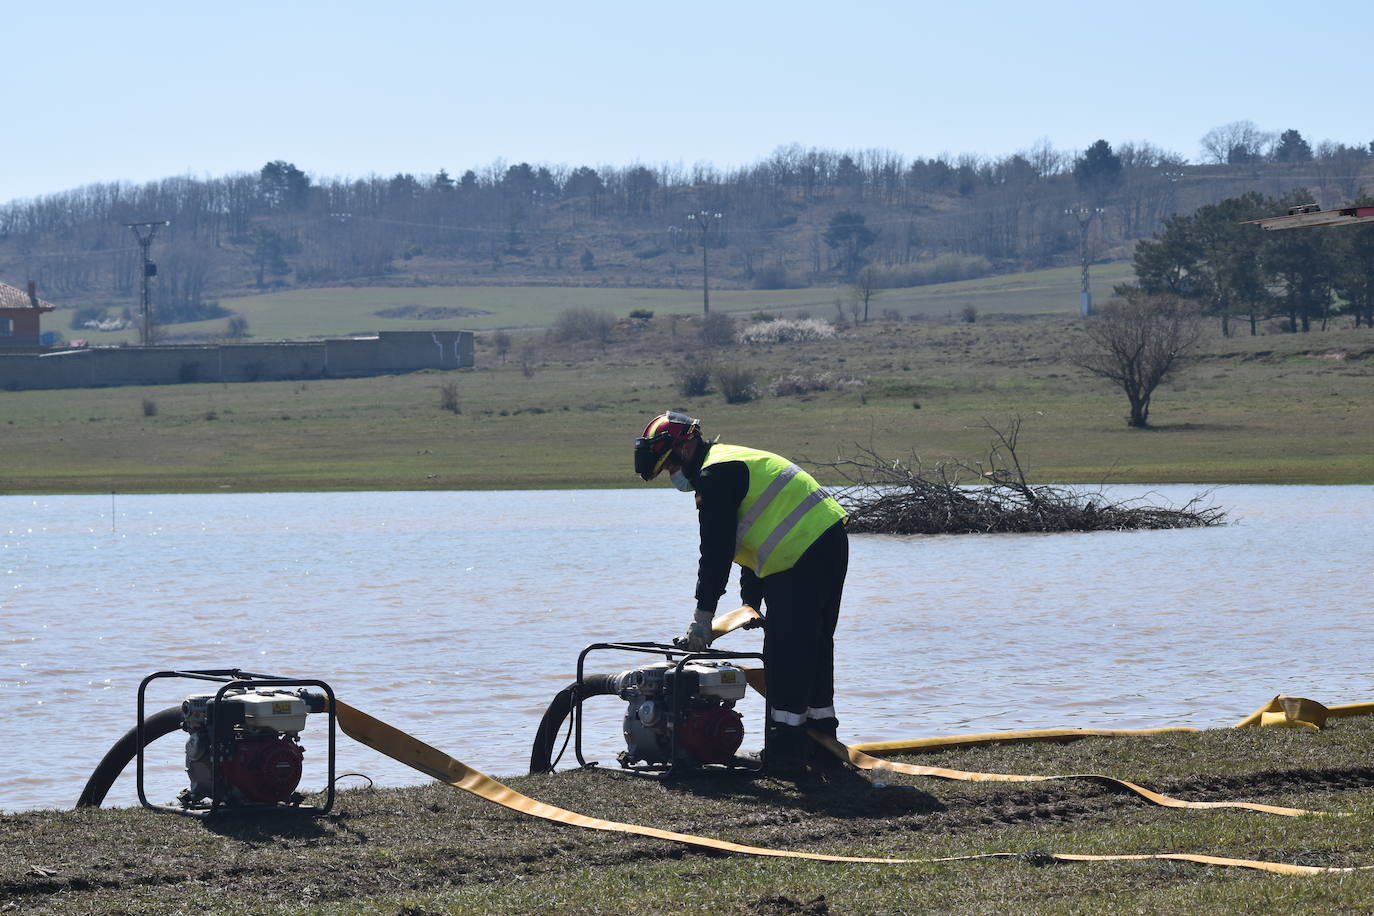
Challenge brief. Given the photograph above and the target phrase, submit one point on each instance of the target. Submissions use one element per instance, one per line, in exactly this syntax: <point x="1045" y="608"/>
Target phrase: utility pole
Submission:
<point x="1172" y="177"/>
<point x="705" y="220"/>
<point x="144" y="232"/>
<point x="1085" y="216"/>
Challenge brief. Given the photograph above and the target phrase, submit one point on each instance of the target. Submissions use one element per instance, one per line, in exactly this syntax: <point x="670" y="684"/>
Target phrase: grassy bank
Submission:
<point x="437" y="850"/>
<point x="1277" y="408"/>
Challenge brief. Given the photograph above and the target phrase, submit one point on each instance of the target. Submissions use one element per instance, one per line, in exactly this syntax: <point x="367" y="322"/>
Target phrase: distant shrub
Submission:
<point x="588" y="260"/>
<point x="841" y="321"/>
<point x="583" y="324"/>
<point x="642" y="314"/>
<point x="737" y="383"/>
<point x="500" y="341"/>
<point x="236" y="328"/>
<point x="969" y="313"/>
<point x="945" y="268"/>
<point x="648" y="253"/>
<point x="796" y="383"/>
<point x="891" y="315"/>
<point x="775" y="276"/>
<point x="149" y="407"/>
<point x="761" y="315"/>
<point x="528" y="357"/>
<point x="717" y="330"/>
<point x="693" y="378"/>
<point x="786" y="330"/>
<point x="448" y="397"/>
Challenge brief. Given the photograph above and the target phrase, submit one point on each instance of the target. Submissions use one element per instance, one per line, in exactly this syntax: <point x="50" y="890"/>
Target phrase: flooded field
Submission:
<point x="457" y="616"/>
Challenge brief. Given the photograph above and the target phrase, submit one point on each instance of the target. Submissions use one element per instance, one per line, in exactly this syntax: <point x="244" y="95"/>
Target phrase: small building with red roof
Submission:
<point x="20" y="312"/>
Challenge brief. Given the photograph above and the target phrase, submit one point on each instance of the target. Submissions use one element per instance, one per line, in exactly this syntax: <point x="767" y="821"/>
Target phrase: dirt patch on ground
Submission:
<point x="429" y="312"/>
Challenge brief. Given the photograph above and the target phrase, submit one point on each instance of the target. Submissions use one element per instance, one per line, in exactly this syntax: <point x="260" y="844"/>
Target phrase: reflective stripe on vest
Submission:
<point x="783" y="512"/>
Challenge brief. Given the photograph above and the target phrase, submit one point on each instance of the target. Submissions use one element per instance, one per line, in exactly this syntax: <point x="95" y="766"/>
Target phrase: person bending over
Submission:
<point x="787" y="534"/>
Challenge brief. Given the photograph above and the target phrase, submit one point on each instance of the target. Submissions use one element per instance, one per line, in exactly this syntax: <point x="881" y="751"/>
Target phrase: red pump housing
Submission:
<point x="265" y="768"/>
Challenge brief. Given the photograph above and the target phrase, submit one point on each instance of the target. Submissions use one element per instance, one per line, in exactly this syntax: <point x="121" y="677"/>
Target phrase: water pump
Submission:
<point x="680" y="710"/>
<point x="681" y="714"/>
<point x="243" y="745"/>
<point x="253" y="733"/>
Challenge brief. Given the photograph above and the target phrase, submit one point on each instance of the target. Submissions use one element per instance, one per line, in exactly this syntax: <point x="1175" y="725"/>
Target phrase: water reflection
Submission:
<point x="458" y="615"/>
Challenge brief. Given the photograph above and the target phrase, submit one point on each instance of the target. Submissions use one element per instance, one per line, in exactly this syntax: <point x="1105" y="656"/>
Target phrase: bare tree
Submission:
<point x="865" y="288"/>
<point x="1239" y="141"/>
<point x="1138" y="341"/>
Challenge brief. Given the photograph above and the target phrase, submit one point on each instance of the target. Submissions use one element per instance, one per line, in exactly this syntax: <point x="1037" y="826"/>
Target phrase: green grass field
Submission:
<point x="1271" y="409"/>
<point x="338" y="311"/>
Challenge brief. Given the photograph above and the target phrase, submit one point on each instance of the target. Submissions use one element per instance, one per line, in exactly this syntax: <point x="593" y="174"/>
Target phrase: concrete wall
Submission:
<point x="351" y="356"/>
<point x="402" y="351"/>
<point x="389" y="351"/>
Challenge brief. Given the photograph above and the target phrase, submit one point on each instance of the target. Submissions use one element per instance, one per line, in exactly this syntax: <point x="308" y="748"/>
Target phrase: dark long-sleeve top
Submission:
<point x="720" y="489"/>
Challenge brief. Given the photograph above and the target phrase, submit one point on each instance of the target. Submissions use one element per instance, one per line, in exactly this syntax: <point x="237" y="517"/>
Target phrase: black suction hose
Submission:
<point x="541" y="756"/>
<point x="125" y="749"/>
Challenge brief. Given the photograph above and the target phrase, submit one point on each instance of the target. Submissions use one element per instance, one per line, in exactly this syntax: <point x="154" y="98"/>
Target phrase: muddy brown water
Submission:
<point x="457" y="616"/>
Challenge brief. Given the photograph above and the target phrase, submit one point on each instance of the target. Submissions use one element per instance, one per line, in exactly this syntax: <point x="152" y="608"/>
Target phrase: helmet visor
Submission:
<point x="651" y="454"/>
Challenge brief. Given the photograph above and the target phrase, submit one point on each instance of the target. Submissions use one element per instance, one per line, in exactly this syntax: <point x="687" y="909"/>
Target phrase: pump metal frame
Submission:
<point x="230" y="679"/>
<point x="669" y="653"/>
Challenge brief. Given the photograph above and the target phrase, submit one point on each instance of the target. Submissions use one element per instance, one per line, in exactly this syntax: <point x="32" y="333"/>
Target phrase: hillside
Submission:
<point x="803" y="219"/>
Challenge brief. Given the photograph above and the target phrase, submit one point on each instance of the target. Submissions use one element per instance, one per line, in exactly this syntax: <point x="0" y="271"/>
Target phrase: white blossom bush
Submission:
<point x="786" y="330"/>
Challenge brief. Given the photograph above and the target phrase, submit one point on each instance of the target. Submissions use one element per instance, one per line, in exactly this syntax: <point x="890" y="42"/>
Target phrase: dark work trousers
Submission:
<point x="803" y="606"/>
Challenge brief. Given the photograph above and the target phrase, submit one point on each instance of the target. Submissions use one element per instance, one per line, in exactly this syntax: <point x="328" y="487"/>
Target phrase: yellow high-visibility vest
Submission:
<point x="783" y="513"/>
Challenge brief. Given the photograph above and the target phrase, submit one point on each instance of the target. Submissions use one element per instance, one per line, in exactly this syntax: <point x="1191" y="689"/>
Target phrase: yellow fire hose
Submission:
<point x="433" y="762"/>
<point x="865" y="762"/>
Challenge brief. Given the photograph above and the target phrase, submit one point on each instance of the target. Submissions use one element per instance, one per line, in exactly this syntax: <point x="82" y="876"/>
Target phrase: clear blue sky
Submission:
<point x="102" y="91"/>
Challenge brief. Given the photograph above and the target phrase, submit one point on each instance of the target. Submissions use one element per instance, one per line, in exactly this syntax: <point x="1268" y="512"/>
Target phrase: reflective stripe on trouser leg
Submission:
<point x="830" y="558"/>
<point x="788" y="718"/>
<point x="826" y="712"/>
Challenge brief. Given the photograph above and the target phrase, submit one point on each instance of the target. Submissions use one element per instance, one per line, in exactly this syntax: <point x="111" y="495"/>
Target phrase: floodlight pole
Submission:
<point x="144" y="232"/>
<point x="1085" y="216"/>
<point x="705" y="220"/>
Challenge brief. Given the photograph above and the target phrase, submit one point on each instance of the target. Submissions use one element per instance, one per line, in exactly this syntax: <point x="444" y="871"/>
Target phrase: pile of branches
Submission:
<point x="884" y="496"/>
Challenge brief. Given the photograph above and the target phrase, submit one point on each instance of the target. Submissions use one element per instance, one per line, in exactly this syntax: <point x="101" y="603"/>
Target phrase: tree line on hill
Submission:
<point x="800" y="217"/>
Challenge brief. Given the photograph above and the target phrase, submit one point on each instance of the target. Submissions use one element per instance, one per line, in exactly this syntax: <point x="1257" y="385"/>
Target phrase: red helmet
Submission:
<point x="664" y="434"/>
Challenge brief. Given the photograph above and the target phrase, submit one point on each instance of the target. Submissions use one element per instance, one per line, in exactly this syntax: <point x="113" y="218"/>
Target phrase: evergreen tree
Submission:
<point x="1292" y="148"/>
<point x="848" y="235"/>
<point x="1098" y="172"/>
<point x="1354" y="259"/>
<point x="282" y="185"/>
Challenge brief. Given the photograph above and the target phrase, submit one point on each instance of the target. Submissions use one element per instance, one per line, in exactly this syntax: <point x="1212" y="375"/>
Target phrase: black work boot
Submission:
<point x="784" y="751"/>
<point x="822" y="757"/>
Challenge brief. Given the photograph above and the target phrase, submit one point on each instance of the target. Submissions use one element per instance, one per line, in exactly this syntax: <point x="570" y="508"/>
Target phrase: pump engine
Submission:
<point x="681" y="715"/>
<point x="246" y="748"/>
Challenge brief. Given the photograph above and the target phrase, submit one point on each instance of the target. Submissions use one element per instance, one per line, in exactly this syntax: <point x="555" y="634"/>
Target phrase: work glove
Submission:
<point x="698" y="636"/>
